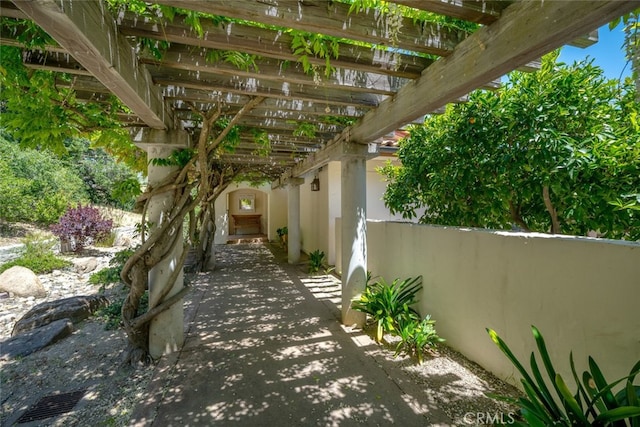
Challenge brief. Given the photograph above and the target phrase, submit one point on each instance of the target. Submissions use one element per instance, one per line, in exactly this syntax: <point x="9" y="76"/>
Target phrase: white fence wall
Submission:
<point x="583" y="294"/>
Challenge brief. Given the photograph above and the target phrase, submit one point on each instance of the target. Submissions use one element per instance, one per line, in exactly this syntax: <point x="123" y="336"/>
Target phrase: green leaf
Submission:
<point x="574" y="410"/>
<point x="617" y="414"/>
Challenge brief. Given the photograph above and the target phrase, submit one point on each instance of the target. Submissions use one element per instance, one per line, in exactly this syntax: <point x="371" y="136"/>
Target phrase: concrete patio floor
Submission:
<point x="264" y="347"/>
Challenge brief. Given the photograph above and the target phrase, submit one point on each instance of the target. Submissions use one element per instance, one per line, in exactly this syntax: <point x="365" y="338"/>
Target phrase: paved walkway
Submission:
<point x="265" y="348"/>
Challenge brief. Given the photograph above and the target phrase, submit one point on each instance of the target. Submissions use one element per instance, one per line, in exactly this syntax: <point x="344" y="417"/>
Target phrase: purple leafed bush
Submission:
<point x="81" y="226"/>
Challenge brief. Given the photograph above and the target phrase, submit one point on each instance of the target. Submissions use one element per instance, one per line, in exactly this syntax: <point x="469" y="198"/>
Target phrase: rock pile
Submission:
<point x="59" y="284"/>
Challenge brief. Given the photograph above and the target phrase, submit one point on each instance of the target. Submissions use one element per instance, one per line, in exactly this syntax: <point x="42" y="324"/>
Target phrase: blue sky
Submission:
<point x="607" y="53"/>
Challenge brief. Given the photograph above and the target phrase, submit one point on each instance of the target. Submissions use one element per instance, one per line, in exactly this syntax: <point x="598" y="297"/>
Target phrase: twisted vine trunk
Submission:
<point x="198" y="183"/>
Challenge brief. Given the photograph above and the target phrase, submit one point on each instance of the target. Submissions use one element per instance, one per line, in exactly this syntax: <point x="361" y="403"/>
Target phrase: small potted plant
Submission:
<point x="283" y="234"/>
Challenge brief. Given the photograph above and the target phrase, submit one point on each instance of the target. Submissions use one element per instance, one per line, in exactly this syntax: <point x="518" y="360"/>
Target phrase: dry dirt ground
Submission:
<point x="90" y="361"/>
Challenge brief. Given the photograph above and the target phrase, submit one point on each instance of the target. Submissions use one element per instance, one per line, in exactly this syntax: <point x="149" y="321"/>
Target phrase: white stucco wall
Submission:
<point x="376" y="186"/>
<point x="583" y="294"/>
<point x="314" y="213"/>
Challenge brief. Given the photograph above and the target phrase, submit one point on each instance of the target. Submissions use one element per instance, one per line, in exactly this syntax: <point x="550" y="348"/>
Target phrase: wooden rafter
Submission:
<point x="265" y="69"/>
<point x="277" y="45"/>
<point x="89" y="34"/>
<point x="331" y="18"/>
<point x="211" y="82"/>
<point x="526" y="31"/>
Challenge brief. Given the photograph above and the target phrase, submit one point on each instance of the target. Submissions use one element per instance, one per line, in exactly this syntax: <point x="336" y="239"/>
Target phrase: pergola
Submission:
<point x="411" y="73"/>
<point x="380" y="90"/>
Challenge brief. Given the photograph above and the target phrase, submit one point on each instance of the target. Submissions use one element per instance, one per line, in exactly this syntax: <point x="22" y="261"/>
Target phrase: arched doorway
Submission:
<point x="248" y="213"/>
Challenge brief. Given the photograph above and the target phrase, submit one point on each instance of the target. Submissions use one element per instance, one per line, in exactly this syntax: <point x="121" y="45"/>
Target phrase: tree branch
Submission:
<point x="555" y="224"/>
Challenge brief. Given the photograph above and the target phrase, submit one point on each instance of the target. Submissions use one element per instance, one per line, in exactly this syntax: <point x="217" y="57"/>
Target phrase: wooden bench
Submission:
<point x="247" y="222"/>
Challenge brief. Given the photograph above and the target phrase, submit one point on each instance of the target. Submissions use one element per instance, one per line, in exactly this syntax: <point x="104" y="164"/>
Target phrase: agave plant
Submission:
<point x="594" y="402"/>
<point x="388" y="304"/>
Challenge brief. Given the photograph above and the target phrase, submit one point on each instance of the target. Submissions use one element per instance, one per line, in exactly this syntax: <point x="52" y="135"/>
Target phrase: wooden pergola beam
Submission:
<point x="334" y="19"/>
<point x="273" y="107"/>
<point x="527" y="30"/>
<point x="209" y="82"/>
<point x="85" y="29"/>
<point x="482" y="12"/>
<point x="275" y="44"/>
<point x="181" y="57"/>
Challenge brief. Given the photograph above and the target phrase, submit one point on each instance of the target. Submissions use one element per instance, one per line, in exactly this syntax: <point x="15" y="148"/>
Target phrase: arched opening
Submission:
<point x="248" y="214"/>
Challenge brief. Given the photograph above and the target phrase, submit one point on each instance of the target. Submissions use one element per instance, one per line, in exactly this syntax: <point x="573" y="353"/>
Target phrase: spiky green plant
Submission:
<point x="416" y="336"/>
<point x="388" y="304"/>
<point x="592" y="404"/>
<point x="316" y="259"/>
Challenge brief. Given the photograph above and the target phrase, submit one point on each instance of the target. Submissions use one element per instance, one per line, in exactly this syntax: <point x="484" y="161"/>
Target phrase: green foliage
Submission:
<point x="232" y="138"/>
<point x="35" y="187"/>
<point x="111" y="274"/>
<point x="40" y="108"/>
<point x="306" y="45"/>
<point x="389" y="304"/>
<point x="316" y="260"/>
<point x="125" y="192"/>
<point x="180" y="158"/>
<point x="240" y="60"/>
<point x="593" y="402"/>
<point x="107" y="182"/>
<point x="117" y="143"/>
<point x="38" y="256"/>
<point x="307" y="130"/>
<point x="27" y="32"/>
<point x="386" y="9"/>
<point x="416" y="336"/>
<point x="563" y="130"/>
<point x="112" y="314"/>
<point x="261" y="138"/>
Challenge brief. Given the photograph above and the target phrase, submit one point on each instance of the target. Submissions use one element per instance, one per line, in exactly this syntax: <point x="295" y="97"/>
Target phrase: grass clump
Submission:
<point x="38" y="256"/>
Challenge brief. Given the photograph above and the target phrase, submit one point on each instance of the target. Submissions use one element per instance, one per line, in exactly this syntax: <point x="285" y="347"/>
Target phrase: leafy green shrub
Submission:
<point x="389" y="304"/>
<point x="416" y="336"/>
<point x="593" y="403"/>
<point x="107" y="182"/>
<point x="111" y="274"/>
<point x="37" y="256"/>
<point x="105" y="276"/>
<point x="81" y="226"/>
<point x="112" y="314"/>
<point x="316" y="259"/>
<point x="34" y="186"/>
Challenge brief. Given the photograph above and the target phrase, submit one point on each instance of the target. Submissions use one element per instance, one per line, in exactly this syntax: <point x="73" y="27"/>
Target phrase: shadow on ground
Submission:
<point x="263" y="351"/>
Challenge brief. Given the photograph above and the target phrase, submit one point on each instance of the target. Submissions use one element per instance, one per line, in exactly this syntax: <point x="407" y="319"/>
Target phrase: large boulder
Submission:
<point x="21" y="282"/>
<point x="74" y="309"/>
<point x="28" y="343"/>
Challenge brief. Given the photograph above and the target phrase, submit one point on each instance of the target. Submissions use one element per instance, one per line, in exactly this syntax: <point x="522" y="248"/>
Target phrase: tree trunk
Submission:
<point x="138" y="347"/>
<point x="555" y="224"/>
<point x="517" y="217"/>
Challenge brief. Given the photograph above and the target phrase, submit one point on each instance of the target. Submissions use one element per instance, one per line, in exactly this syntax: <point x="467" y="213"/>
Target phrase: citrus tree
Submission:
<point x="557" y="150"/>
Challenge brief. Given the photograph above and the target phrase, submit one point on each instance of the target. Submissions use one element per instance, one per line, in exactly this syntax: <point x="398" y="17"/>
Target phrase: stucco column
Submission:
<point x="354" y="235"/>
<point x="293" y="221"/>
<point x="166" y="330"/>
